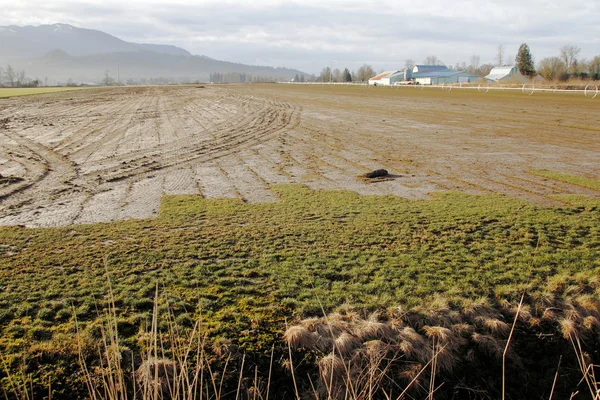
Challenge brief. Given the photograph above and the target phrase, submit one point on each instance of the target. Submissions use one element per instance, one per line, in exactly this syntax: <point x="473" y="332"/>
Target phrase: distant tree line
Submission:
<point x="363" y="74"/>
<point x="11" y="77"/>
<point x="240" y="77"/>
<point x="562" y="67"/>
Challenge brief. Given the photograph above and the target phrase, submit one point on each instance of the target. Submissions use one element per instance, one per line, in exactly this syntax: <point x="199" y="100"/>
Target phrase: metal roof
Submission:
<point x="439" y="74"/>
<point x="498" y="73"/>
<point x="383" y="75"/>
<point x="428" y="68"/>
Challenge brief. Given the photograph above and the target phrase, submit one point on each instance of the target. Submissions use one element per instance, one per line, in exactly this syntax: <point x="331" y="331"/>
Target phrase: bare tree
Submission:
<point x="569" y="55"/>
<point x="11" y="76"/>
<point x="325" y="75"/>
<point x="1" y="76"/>
<point x="20" y="78"/>
<point x="409" y="64"/>
<point x="337" y="75"/>
<point x="107" y="78"/>
<point x="432" y="60"/>
<point x="474" y="65"/>
<point x="365" y="73"/>
<point x="500" y="54"/>
<point x="484" y="69"/>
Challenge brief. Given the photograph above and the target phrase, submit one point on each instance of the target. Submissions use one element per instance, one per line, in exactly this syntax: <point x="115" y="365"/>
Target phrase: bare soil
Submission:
<point x="110" y="154"/>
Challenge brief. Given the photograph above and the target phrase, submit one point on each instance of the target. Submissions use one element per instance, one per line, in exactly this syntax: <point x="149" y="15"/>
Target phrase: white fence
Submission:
<point x="590" y="91"/>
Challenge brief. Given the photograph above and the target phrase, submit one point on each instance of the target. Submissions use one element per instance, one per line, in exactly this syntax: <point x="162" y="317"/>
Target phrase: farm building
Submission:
<point x="424" y="75"/>
<point x="443" y="76"/>
<point x="504" y="73"/>
<point x="389" y="78"/>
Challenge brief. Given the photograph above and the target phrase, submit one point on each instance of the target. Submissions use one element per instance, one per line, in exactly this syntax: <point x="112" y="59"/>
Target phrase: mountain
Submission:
<point x="33" y="41"/>
<point x="64" y="53"/>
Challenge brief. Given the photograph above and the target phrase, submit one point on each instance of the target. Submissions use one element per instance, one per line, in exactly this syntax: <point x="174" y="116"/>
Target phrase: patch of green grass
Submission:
<point x="574" y="179"/>
<point x="245" y="269"/>
<point x="12" y="92"/>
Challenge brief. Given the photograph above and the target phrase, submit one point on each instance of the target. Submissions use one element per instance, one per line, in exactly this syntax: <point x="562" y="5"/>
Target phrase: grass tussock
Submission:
<point x="474" y="340"/>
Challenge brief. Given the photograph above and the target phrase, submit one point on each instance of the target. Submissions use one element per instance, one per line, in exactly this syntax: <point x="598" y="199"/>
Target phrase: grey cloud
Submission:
<point x="309" y="36"/>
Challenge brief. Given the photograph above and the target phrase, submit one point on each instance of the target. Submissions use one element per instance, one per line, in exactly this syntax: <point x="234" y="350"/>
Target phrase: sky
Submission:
<point x="310" y="35"/>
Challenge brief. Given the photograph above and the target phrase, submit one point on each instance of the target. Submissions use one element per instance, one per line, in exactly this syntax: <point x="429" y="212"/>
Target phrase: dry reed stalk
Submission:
<point x="270" y="372"/>
<point x="237" y="393"/>
<point x="433" y="369"/>
<point x="555" y="379"/>
<point x="332" y="370"/>
<point x="508" y="344"/>
<point x="414" y="379"/>
<point x="587" y="369"/>
<point x="292" y="371"/>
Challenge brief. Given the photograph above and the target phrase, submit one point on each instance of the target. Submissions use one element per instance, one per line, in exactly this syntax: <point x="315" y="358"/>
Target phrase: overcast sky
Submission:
<point x="309" y="35"/>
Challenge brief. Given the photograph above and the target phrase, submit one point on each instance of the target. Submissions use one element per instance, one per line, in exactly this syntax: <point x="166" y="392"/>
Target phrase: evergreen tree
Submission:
<point x="346" y="76"/>
<point x="296" y="78"/>
<point x="524" y="61"/>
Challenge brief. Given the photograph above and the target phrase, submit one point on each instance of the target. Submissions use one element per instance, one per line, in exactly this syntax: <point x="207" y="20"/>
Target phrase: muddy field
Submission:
<point x="109" y="154"/>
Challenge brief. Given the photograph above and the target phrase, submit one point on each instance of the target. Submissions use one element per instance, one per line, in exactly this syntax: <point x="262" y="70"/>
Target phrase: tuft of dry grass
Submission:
<point x="568" y="327"/>
<point x="331" y="368"/>
<point x="346" y="344"/>
<point x="489" y="344"/>
<point x="298" y="336"/>
<point x="495" y="326"/>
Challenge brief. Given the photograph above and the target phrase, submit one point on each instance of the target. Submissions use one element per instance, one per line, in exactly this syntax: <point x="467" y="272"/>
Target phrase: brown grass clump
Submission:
<point x="346" y="344"/>
<point x="298" y="336"/>
<point x="373" y="329"/>
<point x="376" y="349"/>
<point x="413" y="345"/>
<point x="590" y="322"/>
<point x="588" y="304"/>
<point x="159" y="372"/>
<point x="446" y="360"/>
<point x="494" y="325"/>
<point x="411" y="373"/>
<point x="359" y="353"/>
<point x="331" y="367"/>
<point x="567" y="327"/>
<point x="479" y="307"/>
<point x="489" y="344"/>
<point x="348" y="313"/>
<point x="550" y="314"/>
<point x="464" y="330"/>
<point x="441" y="334"/>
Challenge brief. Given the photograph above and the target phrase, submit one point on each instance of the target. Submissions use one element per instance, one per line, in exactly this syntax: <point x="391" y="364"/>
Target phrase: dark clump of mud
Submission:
<point x="376" y="174"/>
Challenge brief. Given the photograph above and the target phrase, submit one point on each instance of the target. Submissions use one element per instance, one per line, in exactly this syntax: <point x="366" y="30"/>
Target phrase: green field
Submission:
<point x="246" y="270"/>
<point x="12" y="92"/>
